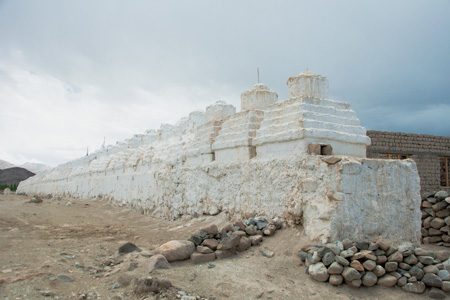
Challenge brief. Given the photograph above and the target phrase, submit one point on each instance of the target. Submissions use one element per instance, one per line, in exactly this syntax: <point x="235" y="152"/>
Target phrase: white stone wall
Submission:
<point x="359" y="199"/>
<point x="255" y="162"/>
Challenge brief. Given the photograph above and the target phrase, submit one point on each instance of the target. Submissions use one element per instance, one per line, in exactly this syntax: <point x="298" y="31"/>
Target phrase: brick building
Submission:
<point x="431" y="154"/>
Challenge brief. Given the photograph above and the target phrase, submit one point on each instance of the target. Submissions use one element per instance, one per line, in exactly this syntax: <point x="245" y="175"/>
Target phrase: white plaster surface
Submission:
<point x="358" y="199"/>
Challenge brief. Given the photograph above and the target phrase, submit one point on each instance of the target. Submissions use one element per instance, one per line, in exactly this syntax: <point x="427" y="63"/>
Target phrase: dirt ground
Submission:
<point x="80" y="239"/>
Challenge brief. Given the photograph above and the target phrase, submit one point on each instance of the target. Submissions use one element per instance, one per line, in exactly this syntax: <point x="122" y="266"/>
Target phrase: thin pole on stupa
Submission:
<point x="257" y="69"/>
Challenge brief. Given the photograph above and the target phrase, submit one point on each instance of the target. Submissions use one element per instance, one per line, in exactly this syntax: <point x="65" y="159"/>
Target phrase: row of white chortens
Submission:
<point x="302" y="159"/>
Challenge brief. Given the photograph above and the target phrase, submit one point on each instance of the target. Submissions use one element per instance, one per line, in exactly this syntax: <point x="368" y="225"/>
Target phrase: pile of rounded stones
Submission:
<point x="436" y="218"/>
<point x="379" y="262"/>
<point x="210" y="243"/>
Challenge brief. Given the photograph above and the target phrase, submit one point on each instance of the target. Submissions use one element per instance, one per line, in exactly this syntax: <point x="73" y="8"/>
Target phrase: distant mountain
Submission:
<point x="5" y="165"/>
<point x="35" y="167"/>
<point x="14" y="175"/>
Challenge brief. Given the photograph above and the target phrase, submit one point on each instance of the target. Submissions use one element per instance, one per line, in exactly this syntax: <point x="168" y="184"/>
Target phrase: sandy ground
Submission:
<point x="39" y="242"/>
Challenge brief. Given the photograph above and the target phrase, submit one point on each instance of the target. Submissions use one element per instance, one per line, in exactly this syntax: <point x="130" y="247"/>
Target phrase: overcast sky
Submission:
<point x="74" y="72"/>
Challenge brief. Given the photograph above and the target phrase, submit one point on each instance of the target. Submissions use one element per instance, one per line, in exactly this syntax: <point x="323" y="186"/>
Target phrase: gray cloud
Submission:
<point x="111" y="68"/>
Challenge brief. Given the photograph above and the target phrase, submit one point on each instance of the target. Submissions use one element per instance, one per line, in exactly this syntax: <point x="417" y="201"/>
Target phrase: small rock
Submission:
<point x="277" y="222"/>
<point x="426" y="260"/>
<point x="239" y="224"/>
<point x="336" y="279"/>
<point x="198" y="258"/>
<point x="350" y="274"/>
<point x="369" y="265"/>
<point x="267" y="252"/>
<point x="128" y="248"/>
<point x="335" y="268"/>
<point x="47" y="293"/>
<point x="411" y="260"/>
<point x="347" y="253"/>
<point x="269" y="230"/>
<point x="417" y="272"/>
<point x="381" y="259"/>
<point x="251" y="230"/>
<point x="36" y="201"/>
<point x="244" y="244"/>
<point x="198" y="237"/>
<point x="342" y="261"/>
<point x="391" y="250"/>
<point x="369" y="279"/>
<point x="416" y="288"/>
<point x="353" y="249"/>
<point x="333" y="248"/>
<point x="147" y="285"/>
<point x="391" y="266"/>
<point x="256" y="239"/>
<point x="379" y="271"/>
<point x="313" y="258"/>
<point x="157" y="262"/>
<point x="431" y="269"/>
<point x="176" y="250"/>
<point x="402" y="281"/>
<point x="387" y="280"/>
<point x="347" y="243"/>
<point x="211" y="229"/>
<point x="210" y="243"/>
<point x="204" y="250"/>
<point x="404" y="266"/>
<point x="116" y="285"/>
<point x="230" y="242"/>
<point x="437" y="223"/>
<point x="436" y="293"/>
<point x="441" y="195"/>
<point x="64" y="278"/>
<point x="362" y="245"/>
<point x="261" y="223"/>
<point x="240" y="233"/>
<point x="355" y="264"/>
<point x="396" y="257"/>
<point x="328" y="258"/>
<point x="432" y="280"/>
<point x="444" y="275"/>
<point x="354" y="283"/>
<point x="383" y="244"/>
<point x="318" y="272"/>
<point x="303" y="255"/>
<point x="446" y="286"/>
<point x="442" y="255"/>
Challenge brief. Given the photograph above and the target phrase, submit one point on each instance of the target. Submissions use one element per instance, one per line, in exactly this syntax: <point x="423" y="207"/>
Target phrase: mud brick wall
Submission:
<point x="424" y="149"/>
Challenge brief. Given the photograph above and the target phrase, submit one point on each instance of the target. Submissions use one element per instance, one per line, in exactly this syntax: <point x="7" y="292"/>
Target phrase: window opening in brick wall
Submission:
<point x="396" y="156"/>
<point x="444" y="167"/>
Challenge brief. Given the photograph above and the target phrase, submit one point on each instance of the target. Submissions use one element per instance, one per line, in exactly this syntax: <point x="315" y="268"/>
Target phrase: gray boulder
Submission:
<point x="176" y="250"/>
